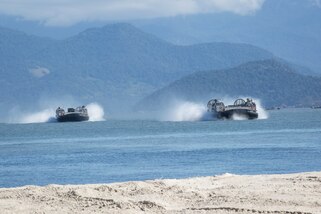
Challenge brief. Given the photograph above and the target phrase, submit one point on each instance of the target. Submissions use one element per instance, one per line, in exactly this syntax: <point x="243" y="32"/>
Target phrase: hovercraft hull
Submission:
<point x="72" y="118"/>
<point x="248" y="114"/>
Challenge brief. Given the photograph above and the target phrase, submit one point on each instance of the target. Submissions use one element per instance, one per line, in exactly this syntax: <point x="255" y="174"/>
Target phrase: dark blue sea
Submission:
<point x="288" y="141"/>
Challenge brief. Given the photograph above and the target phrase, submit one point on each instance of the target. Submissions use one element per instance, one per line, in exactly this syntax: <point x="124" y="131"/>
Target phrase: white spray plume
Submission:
<point x="184" y="111"/>
<point x="39" y="117"/>
<point x="238" y="117"/>
<point x="95" y="112"/>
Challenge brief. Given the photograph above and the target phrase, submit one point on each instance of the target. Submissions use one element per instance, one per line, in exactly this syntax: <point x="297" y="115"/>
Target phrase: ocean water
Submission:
<point x="112" y="151"/>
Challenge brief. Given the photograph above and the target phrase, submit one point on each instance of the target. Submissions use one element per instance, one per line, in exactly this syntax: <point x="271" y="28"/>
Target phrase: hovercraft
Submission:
<point x="72" y="115"/>
<point x="242" y="108"/>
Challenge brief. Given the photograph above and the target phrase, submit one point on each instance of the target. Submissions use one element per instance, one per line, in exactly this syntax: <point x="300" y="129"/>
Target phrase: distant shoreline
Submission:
<point x="281" y="193"/>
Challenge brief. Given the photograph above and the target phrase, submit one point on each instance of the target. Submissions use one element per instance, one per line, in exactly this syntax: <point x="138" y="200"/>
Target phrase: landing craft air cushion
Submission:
<point x="246" y="109"/>
<point x="72" y="115"/>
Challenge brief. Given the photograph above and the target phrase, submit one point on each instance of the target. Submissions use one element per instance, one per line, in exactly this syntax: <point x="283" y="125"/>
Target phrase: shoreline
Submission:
<point x="277" y="193"/>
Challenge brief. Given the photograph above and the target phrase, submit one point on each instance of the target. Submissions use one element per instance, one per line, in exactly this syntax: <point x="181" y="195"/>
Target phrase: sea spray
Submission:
<point x="238" y="117"/>
<point x="43" y="116"/>
<point x="95" y="112"/>
<point x="184" y="111"/>
<point x="261" y="111"/>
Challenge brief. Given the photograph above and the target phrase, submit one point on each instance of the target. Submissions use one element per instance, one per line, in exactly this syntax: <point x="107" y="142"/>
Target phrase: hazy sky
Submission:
<point x="69" y="12"/>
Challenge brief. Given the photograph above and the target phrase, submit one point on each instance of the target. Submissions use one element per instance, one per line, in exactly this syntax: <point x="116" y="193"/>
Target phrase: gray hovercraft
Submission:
<point x="242" y="108"/>
<point x="72" y="115"/>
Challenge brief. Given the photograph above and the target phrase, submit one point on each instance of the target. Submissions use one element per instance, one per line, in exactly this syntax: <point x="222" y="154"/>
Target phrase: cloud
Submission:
<point x="69" y="12"/>
<point x="39" y="72"/>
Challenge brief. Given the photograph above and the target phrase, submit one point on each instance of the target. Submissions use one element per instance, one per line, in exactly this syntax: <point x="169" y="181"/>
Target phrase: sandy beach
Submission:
<point x="290" y="193"/>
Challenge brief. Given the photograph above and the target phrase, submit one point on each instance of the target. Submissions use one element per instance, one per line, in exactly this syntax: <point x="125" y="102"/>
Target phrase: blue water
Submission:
<point x="112" y="151"/>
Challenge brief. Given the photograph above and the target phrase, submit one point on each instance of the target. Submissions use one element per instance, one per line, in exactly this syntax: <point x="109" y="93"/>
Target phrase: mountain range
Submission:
<point x="290" y="29"/>
<point x="273" y="82"/>
<point x="115" y="65"/>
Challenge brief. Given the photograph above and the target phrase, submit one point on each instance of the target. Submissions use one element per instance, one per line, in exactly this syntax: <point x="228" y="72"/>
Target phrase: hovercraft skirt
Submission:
<point x="239" y="112"/>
